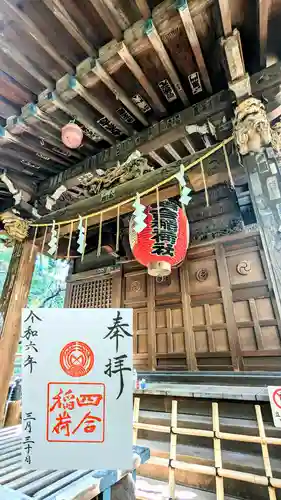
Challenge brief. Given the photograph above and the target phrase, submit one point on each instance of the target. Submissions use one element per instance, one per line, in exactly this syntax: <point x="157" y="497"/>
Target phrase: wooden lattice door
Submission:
<point x="95" y="292"/>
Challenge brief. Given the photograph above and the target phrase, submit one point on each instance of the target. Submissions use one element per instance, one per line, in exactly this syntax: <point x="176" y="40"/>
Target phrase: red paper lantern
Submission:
<point x="161" y="248"/>
<point x="71" y="135"/>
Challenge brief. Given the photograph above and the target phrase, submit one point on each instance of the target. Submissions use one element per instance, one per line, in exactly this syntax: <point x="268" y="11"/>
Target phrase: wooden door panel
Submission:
<point x="201" y="341"/>
<point x="247" y="339"/>
<point x="257" y="324"/>
<point x="221" y="340"/>
<point x="217" y="314"/>
<point x="177" y="317"/>
<point x="242" y="311"/>
<point x="245" y="268"/>
<point x="271" y="337"/>
<point x="178" y="342"/>
<point x="217" y="311"/>
<point x="161" y="343"/>
<point x="265" y="309"/>
<point x="168" y="285"/>
<point x="203" y="276"/>
<point x="136" y="286"/>
<point x="140" y="338"/>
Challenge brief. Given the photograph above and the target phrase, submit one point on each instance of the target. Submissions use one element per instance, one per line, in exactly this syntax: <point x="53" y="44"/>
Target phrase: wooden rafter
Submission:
<point x="107" y="18"/>
<point x="17" y="167"/>
<point x="12" y="52"/>
<point x="158" y="159"/>
<point x="118" y="13"/>
<point x="152" y="138"/>
<point x="263" y="14"/>
<point x="73" y="111"/>
<point x="31" y="146"/>
<point x="41" y="39"/>
<point x="159" y="47"/>
<point x="27" y="159"/>
<point x="194" y="42"/>
<point x="60" y="12"/>
<point x="99" y="106"/>
<point x="136" y="70"/>
<point x="225" y="17"/>
<point x="143" y="8"/>
<point x="36" y="130"/>
<point x="188" y="144"/>
<point x="171" y="150"/>
<point x="118" y="92"/>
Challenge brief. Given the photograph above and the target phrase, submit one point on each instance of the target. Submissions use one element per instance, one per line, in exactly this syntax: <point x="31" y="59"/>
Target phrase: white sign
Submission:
<point x="77" y="389"/>
<point x="274" y="394"/>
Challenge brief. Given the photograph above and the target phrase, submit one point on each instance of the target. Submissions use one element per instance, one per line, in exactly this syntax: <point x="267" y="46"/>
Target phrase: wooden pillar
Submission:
<point x="13" y="299"/>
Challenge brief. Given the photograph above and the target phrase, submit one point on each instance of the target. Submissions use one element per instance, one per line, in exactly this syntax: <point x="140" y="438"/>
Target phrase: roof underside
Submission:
<point x="117" y="88"/>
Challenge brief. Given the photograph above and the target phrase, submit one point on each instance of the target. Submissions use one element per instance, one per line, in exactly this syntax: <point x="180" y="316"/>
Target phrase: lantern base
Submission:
<point x="159" y="269"/>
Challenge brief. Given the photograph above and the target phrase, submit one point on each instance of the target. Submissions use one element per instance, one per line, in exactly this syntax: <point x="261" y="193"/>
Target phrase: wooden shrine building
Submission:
<point x="152" y="86"/>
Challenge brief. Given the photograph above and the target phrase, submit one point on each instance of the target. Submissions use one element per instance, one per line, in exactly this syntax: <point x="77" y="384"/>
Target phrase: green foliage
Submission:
<point x="47" y="286"/>
<point x="48" y="282"/>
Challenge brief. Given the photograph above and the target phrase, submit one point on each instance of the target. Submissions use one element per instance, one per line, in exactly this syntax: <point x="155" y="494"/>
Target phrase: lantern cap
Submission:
<point x="161" y="268"/>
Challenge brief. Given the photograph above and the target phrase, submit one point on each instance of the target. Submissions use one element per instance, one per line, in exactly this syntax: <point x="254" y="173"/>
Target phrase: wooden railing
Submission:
<point x="217" y="471"/>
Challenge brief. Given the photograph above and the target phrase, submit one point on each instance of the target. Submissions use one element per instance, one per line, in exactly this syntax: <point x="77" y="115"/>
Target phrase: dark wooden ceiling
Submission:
<point x="102" y="62"/>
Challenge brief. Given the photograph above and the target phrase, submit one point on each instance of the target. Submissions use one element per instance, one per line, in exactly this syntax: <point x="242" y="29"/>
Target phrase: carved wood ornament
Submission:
<point x="251" y="126"/>
<point x="202" y="274"/>
<point x="15" y="227"/>
<point x="244" y="267"/>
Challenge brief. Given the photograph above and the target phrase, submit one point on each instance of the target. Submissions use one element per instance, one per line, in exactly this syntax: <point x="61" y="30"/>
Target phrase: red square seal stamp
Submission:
<point x="75" y="412"/>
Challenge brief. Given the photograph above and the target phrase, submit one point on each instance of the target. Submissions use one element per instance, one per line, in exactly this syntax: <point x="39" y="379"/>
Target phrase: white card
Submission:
<point x="77" y="388"/>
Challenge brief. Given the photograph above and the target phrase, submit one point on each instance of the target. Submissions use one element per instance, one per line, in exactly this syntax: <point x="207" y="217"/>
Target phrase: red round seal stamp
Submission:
<point x="277" y="397"/>
<point x="77" y="359"/>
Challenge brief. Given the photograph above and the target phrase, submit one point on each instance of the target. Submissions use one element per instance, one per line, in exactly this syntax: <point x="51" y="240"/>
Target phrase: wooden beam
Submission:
<point x="144" y="8"/>
<point x="188" y="144"/>
<point x="159" y="48"/>
<point x="16" y="166"/>
<point x="213" y="163"/>
<point x="138" y="73"/>
<point x="107" y="18"/>
<point x="172" y="152"/>
<point x="60" y="12"/>
<point x="12" y="52"/>
<point x="158" y="159"/>
<point x="99" y="106"/>
<point x="26" y="159"/>
<point x="225" y="17"/>
<point x="119" y="93"/>
<point x="118" y="13"/>
<point x="31" y="146"/>
<point x="13" y="299"/>
<point x="50" y="138"/>
<point x="152" y="138"/>
<point x="90" y="124"/>
<point x="121" y="192"/>
<point x="263" y="13"/>
<point x="31" y="28"/>
<point x="194" y="42"/>
<point x="25" y="183"/>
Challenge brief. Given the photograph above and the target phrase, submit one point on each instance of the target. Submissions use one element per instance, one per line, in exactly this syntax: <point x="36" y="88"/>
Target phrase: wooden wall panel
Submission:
<point x="216" y="312"/>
